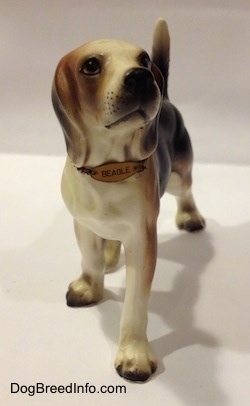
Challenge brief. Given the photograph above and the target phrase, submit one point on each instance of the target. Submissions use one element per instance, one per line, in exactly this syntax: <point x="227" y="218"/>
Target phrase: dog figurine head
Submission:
<point x="107" y="93"/>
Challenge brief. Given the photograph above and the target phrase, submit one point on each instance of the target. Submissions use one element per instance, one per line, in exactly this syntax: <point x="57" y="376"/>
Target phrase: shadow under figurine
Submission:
<point x="126" y="145"/>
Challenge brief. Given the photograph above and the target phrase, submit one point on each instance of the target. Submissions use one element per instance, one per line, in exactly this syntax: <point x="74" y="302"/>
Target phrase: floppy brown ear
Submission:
<point x="150" y="138"/>
<point x="67" y="107"/>
<point x="158" y="77"/>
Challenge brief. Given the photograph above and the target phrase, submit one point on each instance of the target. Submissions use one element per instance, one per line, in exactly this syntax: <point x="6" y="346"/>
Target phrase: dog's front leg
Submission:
<point x="88" y="288"/>
<point x="135" y="359"/>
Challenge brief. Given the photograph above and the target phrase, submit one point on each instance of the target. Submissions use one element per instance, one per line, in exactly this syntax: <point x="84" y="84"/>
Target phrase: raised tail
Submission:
<point x="160" y="51"/>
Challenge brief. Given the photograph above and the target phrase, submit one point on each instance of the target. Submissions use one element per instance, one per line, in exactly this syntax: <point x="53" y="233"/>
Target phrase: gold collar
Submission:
<point x="115" y="171"/>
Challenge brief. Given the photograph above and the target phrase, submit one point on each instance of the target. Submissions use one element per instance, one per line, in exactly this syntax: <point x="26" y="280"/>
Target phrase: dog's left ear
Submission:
<point x="150" y="139"/>
<point x="158" y="77"/>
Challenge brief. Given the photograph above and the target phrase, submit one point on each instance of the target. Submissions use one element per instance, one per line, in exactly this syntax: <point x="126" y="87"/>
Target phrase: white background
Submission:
<point x="199" y="310"/>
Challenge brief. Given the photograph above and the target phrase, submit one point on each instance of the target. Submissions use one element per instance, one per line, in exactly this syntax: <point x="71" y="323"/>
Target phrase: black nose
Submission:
<point x="138" y="80"/>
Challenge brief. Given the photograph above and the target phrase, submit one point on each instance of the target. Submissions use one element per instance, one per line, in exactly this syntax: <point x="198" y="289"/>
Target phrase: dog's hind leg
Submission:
<point x="88" y="288"/>
<point x="112" y="250"/>
<point x="188" y="216"/>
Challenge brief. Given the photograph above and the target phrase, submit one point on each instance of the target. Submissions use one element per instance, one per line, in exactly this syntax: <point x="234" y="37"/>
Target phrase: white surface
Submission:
<point x="199" y="309"/>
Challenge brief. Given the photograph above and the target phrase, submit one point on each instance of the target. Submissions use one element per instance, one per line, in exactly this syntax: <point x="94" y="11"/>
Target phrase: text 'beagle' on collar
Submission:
<point x="114" y="172"/>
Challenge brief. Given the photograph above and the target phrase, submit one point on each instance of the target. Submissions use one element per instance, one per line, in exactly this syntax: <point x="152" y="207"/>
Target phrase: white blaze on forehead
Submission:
<point x="115" y="50"/>
<point x="111" y="45"/>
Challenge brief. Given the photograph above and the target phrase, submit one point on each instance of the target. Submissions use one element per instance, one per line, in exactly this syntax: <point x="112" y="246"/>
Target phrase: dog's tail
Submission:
<point x="160" y="51"/>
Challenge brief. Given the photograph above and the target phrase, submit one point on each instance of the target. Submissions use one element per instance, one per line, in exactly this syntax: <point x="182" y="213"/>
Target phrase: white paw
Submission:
<point x="84" y="291"/>
<point x="136" y="361"/>
<point x="190" y="220"/>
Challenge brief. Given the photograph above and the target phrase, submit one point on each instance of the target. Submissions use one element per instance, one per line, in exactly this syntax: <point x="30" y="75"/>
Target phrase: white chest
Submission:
<point x="108" y="209"/>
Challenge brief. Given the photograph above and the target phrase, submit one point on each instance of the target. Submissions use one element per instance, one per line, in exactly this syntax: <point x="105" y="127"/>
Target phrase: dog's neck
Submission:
<point x="110" y="146"/>
<point x="112" y="156"/>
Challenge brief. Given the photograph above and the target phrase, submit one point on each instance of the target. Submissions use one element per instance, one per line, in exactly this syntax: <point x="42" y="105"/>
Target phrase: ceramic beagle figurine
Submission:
<point x="126" y="145"/>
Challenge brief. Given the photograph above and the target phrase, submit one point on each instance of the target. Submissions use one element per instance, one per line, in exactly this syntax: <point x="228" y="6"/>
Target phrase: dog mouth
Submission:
<point x="129" y="116"/>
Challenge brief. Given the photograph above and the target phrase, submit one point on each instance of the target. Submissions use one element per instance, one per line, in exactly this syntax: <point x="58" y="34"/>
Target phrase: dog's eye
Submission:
<point x="91" y="67"/>
<point x="144" y="60"/>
